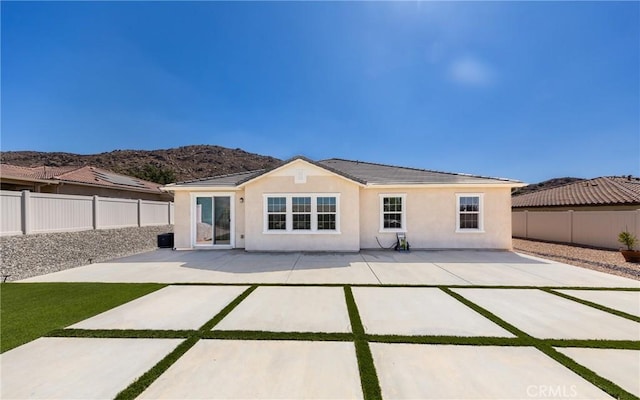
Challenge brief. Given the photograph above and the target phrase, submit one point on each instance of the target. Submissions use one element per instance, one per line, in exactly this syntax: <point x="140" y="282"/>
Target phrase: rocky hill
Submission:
<point x="548" y="184"/>
<point x="162" y="166"/>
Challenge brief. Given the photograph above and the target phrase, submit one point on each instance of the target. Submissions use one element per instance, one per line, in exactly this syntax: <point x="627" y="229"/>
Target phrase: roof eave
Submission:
<point x="27" y="179"/>
<point x="445" y="185"/>
<point x="200" y="188"/>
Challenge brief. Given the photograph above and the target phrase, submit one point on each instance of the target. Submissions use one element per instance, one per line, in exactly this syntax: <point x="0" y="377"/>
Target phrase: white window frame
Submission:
<point x="289" y="213"/>
<point x="480" y="228"/>
<point x="403" y="219"/>
<point x="193" y="216"/>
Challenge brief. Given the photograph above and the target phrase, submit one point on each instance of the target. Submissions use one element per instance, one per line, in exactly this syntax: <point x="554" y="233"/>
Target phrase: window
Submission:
<point x="326" y="207"/>
<point x="302" y="213"/>
<point x="393" y="213"/>
<point x="277" y="213"/>
<point x="469" y="212"/>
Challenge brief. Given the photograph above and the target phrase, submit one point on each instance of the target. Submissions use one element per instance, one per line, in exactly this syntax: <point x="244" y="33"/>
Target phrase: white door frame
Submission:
<point x="232" y="225"/>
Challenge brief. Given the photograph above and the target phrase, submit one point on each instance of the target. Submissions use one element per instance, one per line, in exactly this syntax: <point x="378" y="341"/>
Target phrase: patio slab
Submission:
<point x="332" y="268"/>
<point x="170" y="308"/>
<point x="78" y="368"/>
<point x="290" y="309"/>
<point x="628" y="302"/>
<point x="417" y="273"/>
<point x="547" y="316"/>
<point x="419" y="311"/>
<point x="451" y="267"/>
<point x="621" y="367"/>
<point x="233" y="369"/>
<point x="418" y="371"/>
<point x="495" y="274"/>
<point x="570" y="275"/>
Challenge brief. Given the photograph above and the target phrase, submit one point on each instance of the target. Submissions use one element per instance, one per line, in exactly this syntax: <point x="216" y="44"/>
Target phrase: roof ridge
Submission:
<point x="71" y="170"/>
<point x="422" y="169"/>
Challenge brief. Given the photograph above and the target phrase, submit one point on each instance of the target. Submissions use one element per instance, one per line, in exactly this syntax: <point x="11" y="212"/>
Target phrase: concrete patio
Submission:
<point x="442" y="267"/>
<point x="485" y="333"/>
<point x="328" y="368"/>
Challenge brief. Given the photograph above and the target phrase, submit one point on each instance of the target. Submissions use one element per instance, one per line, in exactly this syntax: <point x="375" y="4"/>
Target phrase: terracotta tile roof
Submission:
<point x="83" y="175"/>
<point x="40" y="173"/>
<point x="611" y="190"/>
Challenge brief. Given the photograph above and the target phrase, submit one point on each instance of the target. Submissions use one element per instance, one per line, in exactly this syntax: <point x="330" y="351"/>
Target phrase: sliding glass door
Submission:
<point x="213" y="220"/>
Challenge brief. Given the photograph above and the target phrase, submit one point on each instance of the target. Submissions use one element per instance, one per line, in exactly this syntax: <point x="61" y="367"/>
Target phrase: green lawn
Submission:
<point x="31" y="310"/>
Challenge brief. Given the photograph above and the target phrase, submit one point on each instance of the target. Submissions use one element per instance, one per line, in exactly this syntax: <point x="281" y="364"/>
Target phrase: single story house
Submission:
<point x="606" y="193"/>
<point x="342" y="205"/>
<point x="79" y="180"/>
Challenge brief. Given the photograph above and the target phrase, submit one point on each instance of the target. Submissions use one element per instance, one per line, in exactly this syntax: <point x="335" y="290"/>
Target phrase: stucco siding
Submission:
<point x="316" y="182"/>
<point x="182" y="216"/>
<point x="431" y="218"/>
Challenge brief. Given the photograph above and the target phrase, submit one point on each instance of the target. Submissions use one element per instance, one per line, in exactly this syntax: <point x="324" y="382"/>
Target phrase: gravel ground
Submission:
<point x="610" y="261"/>
<point x="31" y="255"/>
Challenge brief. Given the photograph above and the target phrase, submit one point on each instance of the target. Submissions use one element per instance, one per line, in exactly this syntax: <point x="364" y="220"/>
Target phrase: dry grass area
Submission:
<point x="610" y="261"/>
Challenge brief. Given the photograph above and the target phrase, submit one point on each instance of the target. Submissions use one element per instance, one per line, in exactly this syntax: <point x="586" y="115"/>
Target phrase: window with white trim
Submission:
<point x="302" y="213"/>
<point x="469" y="212"/>
<point x="276" y="213"/>
<point x="392" y="212"/>
<point x="326" y="207"/>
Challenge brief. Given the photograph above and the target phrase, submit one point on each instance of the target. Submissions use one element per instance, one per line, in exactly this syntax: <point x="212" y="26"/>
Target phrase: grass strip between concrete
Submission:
<point x="545" y="347"/>
<point x="395" y="285"/>
<point x="594" y="305"/>
<point x="142" y="383"/>
<point x="368" y="376"/>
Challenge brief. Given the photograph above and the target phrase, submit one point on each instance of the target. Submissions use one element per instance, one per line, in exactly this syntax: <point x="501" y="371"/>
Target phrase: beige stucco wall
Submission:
<point x="317" y="181"/>
<point x="430" y="222"/>
<point x="183" y="217"/>
<point x="182" y="220"/>
<point x="431" y="218"/>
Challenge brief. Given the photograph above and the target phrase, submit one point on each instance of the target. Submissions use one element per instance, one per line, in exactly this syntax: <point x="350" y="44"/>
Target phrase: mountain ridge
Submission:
<point x="160" y="166"/>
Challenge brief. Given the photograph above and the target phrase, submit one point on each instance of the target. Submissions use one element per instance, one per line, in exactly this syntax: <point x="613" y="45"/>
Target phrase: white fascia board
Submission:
<point x="201" y="188"/>
<point x="447" y="185"/>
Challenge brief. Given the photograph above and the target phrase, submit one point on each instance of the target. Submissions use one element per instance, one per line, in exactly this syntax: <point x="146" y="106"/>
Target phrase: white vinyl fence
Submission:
<point x="591" y="228"/>
<point x="23" y="213"/>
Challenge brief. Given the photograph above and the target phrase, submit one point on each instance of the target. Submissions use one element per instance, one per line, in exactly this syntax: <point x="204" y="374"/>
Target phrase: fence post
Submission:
<point x="637" y="232"/>
<point x="96" y="201"/>
<point x="26" y="208"/>
<point x="139" y="212"/>
<point x="571" y="226"/>
<point x="168" y="213"/>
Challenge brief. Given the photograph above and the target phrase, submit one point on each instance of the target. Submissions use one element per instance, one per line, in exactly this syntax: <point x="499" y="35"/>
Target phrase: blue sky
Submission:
<point x="525" y="90"/>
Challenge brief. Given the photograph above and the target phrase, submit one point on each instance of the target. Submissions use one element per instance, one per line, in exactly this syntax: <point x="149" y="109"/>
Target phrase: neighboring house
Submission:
<point x="591" y="212"/>
<point x="342" y="205"/>
<point x="79" y="180"/>
<point x="606" y="193"/>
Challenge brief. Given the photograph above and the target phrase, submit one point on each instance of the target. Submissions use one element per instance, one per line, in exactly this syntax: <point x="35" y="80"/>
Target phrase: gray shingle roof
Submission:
<point x="598" y="191"/>
<point x="221" y="180"/>
<point x="358" y="171"/>
<point x="381" y="174"/>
